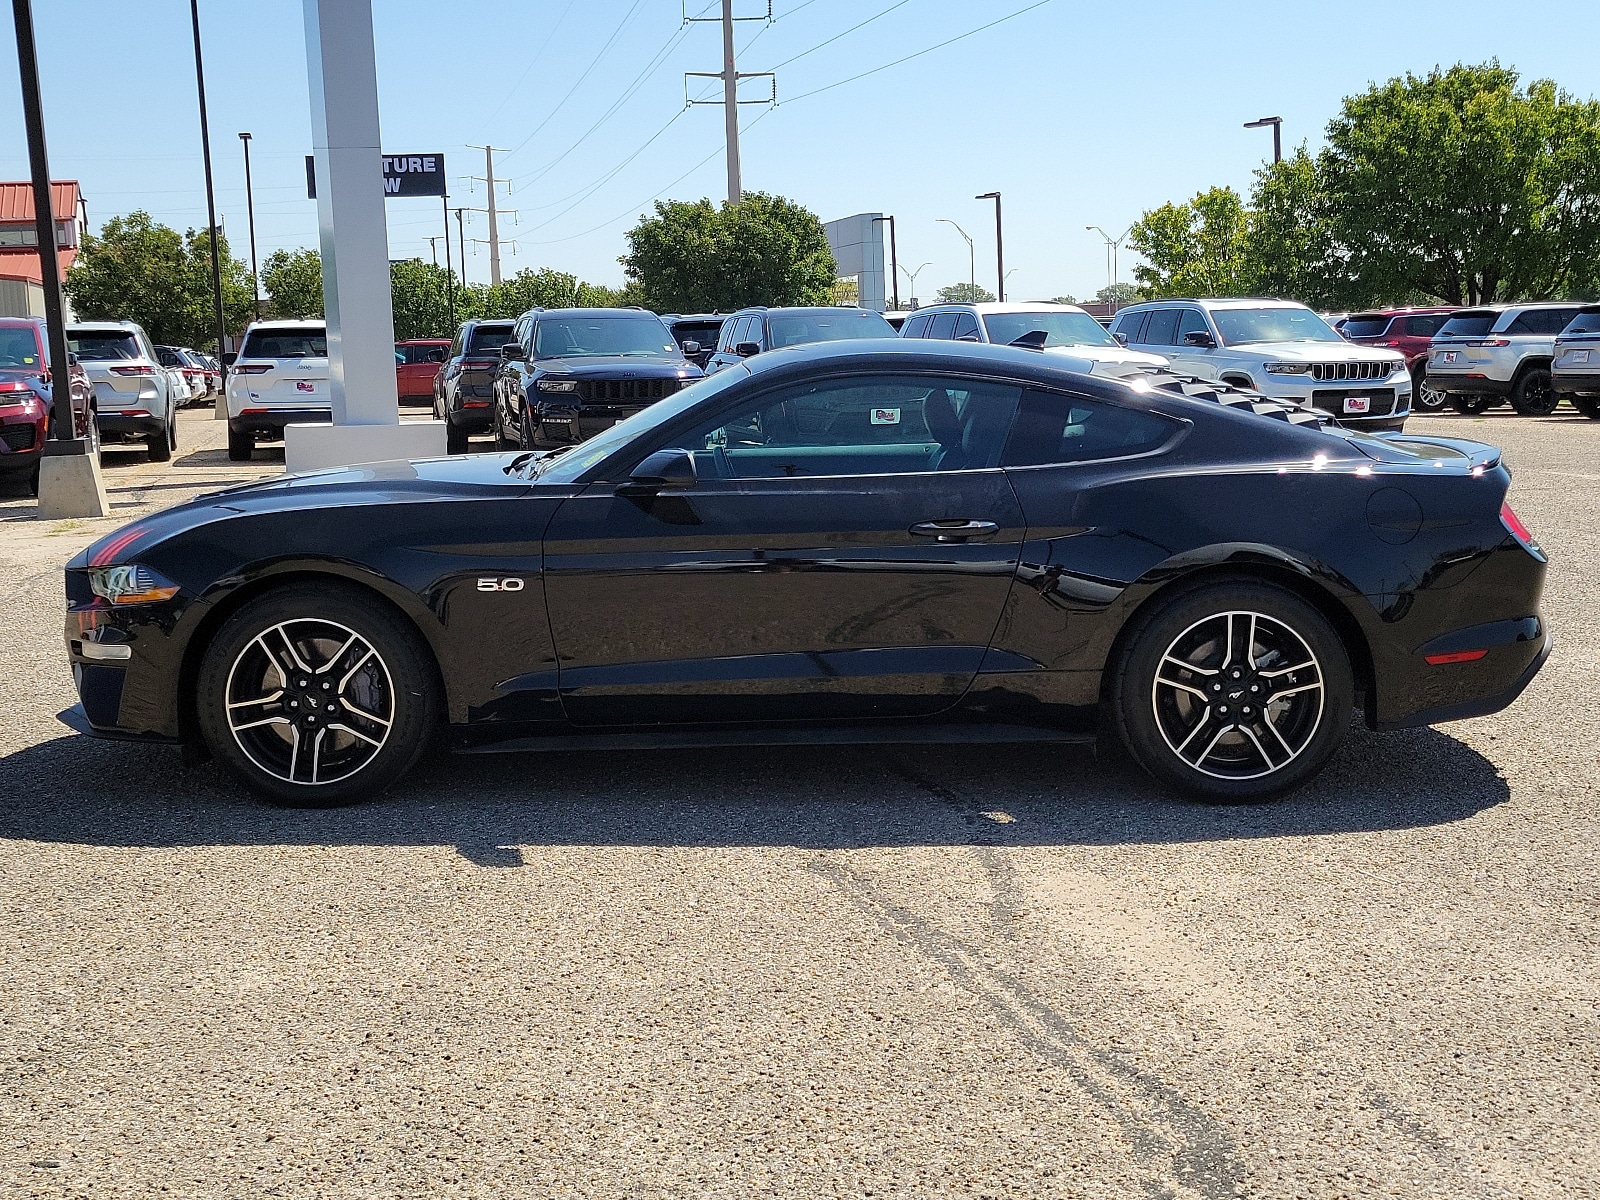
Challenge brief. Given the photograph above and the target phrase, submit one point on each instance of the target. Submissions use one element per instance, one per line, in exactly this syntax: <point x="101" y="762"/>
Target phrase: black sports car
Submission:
<point x="900" y="541"/>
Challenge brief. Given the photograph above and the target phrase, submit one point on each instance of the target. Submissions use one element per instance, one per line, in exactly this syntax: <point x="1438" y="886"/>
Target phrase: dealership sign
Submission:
<point x="403" y="175"/>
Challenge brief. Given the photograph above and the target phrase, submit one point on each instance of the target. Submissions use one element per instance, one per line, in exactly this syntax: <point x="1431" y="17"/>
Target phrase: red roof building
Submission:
<point x="21" y="277"/>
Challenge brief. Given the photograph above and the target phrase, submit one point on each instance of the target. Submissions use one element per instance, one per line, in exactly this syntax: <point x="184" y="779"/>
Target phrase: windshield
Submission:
<point x="1241" y="326"/>
<point x="18" y="348"/>
<point x="104" y="347"/>
<point x="1587" y="321"/>
<point x="576" y="461"/>
<point x="1360" y="327"/>
<point x="285" y="343"/>
<point x="1468" y="325"/>
<point x="583" y="337"/>
<point x="489" y="337"/>
<point x="827" y="325"/>
<point x="1060" y="328"/>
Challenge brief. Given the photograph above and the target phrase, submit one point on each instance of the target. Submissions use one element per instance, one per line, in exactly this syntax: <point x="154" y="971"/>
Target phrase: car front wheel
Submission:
<point x="314" y="696"/>
<point x="1426" y="397"/>
<point x="1233" y="692"/>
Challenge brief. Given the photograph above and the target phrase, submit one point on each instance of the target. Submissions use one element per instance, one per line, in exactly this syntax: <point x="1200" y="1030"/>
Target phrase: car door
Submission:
<point x="1201" y="360"/>
<point x="845" y="553"/>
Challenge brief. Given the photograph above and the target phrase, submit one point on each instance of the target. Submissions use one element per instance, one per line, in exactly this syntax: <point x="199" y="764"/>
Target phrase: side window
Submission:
<point x="1426" y="325"/>
<point x="1192" y="321"/>
<point x="870" y="425"/>
<point x="1550" y="321"/>
<point x="743" y="331"/>
<point x="916" y="326"/>
<point x="967" y="327"/>
<point x="943" y="325"/>
<point x="1162" y="328"/>
<point x="458" y="342"/>
<point x="1131" y="325"/>
<point x="1056" y="428"/>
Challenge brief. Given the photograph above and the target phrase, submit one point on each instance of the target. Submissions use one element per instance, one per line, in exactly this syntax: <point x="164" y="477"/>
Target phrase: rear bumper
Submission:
<point x="272" y="420"/>
<point x="1581" y="383"/>
<point x="1504" y="674"/>
<point x="114" y="424"/>
<point x="1458" y="384"/>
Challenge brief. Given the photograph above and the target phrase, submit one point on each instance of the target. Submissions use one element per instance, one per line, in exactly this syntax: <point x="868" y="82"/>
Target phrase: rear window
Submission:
<point x="489" y="337"/>
<point x="104" y="347"/>
<point x="1587" y="321"/>
<point x="1360" y="327"/>
<point x="18" y="348"/>
<point x="1469" y="324"/>
<point x="827" y="325"/>
<point x="309" y="342"/>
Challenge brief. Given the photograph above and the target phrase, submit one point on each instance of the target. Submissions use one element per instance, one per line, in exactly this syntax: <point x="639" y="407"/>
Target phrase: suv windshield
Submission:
<point x="827" y="325"/>
<point x="1587" y="321"/>
<point x="582" y="337"/>
<point x="1060" y="328"/>
<point x="1473" y="324"/>
<point x="104" y="347"/>
<point x="18" y="348"/>
<point x="1357" y="327"/>
<point x="1241" y="326"/>
<point x="285" y="343"/>
<point x="489" y="337"/>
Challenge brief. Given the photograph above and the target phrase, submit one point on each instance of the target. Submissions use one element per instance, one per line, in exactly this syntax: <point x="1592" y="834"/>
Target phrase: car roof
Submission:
<point x="103" y="326"/>
<point x="920" y="354"/>
<point x="423" y="342"/>
<point x="542" y="313"/>
<point x="994" y="306"/>
<point x="288" y="324"/>
<point x="1373" y="314"/>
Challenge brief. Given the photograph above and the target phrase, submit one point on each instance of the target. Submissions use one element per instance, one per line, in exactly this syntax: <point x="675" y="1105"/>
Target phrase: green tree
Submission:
<point x="1291" y="248"/>
<point x="964" y="293"/>
<point x="696" y="257"/>
<point x="1065" y="298"/>
<point x="1459" y="185"/>
<point x="420" y="295"/>
<point x="139" y="270"/>
<point x="1115" y="293"/>
<point x="1193" y="249"/>
<point x="293" y="283"/>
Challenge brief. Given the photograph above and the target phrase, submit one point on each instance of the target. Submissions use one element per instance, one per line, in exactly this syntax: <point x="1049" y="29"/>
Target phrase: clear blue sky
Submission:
<point x="1079" y="113"/>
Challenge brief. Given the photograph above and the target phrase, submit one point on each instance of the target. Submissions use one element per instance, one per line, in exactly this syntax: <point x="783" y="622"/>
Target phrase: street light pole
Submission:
<point x="1113" y="245"/>
<point x="894" y="264"/>
<point x="449" y="271"/>
<point x="972" y="267"/>
<point x="211" y="195"/>
<point x="912" y="276"/>
<point x="999" y="244"/>
<point x="250" y="208"/>
<point x="1277" y="134"/>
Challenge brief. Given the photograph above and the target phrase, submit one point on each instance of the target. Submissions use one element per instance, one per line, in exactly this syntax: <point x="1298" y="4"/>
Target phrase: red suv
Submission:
<point x="416" y="362"/>
<point x="1408" y="330"/>
<point x="26" y="396"/>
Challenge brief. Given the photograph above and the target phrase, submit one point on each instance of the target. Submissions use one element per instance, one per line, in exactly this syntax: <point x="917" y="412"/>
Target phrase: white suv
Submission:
<point x="280" y="377"/>
<point x="1063" y="328"/>
<point x="1481" y="356"/>
<point x="134" y="394"/>
<point x="1278" y="348"/>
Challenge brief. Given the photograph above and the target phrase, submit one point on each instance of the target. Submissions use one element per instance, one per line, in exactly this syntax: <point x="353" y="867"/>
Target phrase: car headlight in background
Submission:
<point x="1283" y="368"/>
<point x="130" y="583"/>
<point x="558" y="385"/>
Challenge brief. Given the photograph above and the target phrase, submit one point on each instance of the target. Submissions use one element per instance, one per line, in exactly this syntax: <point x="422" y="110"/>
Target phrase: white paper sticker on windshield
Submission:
<point x="886" y="416"/>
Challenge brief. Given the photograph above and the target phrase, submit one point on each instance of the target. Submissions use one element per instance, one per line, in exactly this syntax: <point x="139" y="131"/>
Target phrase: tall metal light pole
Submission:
<point x="250" y="208"/>
<point x="1277" y="134"/>
<point x="912" y="276"/>
<point x="972" y="262"/>
<point x="999" y="244"/>
<point x="894" y="264"/>
<point x="1113" y="245"/>
<point x="211" y="195"/>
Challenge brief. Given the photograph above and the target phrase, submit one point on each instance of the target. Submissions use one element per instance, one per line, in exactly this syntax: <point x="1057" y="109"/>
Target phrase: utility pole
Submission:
<point x="450" y="275"/>
<point x="211" y="197"/>
<point x="433" y="248"/>
<point x="250" y="209"/>
<point x="730" y="76"/>
<point x="461" y="241"/>
<point x="488" y="180"/>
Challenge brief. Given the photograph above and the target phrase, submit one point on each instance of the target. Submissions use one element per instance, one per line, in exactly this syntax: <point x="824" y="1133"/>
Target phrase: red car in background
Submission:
<point x="1408" y="330"/>
<point x="416" y="363"/>
<point x="26" y="396"/>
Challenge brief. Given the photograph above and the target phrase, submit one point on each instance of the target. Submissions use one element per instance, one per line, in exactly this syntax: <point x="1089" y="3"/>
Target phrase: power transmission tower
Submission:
<point x="730" y="77"/>
<point x="489" y="181"/>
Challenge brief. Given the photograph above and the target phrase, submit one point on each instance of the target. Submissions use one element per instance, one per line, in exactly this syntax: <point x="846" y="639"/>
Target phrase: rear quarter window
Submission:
<point x="1055" y="428"/>
<point x="1585" y="322"/>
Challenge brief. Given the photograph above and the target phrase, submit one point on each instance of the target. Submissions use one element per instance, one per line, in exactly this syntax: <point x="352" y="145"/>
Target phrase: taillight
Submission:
<point x="1491" y="342"/>
<point x="133" y="370"/>
<point x="1518" y="530"/>
<point x="250" y="368"/>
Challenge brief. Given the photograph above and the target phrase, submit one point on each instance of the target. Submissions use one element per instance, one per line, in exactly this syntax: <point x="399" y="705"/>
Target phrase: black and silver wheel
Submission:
<point x="316" y="696"/>
<point x="1535" y="395"/>
<point x="524" y="429"/>
<point x="1471" y="406"/>
<point x="1424" y="396"/>
<point x="1233" y="692"/>
<point x="501" y="441"/>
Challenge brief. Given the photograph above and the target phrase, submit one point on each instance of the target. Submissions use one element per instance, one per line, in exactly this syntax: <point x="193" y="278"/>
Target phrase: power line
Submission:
<point x="837" y="36"/>
<point x="532" y="62"/>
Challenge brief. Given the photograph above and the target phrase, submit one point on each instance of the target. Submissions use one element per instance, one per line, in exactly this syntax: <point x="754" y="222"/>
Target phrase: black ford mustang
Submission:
<point x="922" y="541"/>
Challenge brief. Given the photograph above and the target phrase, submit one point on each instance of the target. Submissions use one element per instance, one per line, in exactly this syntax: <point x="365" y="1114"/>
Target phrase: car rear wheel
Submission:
<point x="1424" y="396"/>
<point x="160" y="444"/>
<point x="455" y="438"/>
<point x="1233" y="692"/>
<point x="241" y="446"/>
<point x="314" y="696"/>
<point x="1535" y="395"/>
<point x="1471" y="406"/>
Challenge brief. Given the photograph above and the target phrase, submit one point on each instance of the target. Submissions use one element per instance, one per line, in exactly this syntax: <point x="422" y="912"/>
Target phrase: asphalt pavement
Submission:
<point x="824" y="972"/>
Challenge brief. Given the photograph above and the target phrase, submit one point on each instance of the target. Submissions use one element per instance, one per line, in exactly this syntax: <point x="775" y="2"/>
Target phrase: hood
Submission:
<point x="1315" y="352"/>
<point x="618" y="366"/>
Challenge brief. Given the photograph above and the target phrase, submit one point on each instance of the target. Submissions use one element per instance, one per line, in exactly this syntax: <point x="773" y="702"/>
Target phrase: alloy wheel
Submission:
<point x="1238" y="695"/>
<point x="310" y="702"/>
<point x="1429" y="398"/>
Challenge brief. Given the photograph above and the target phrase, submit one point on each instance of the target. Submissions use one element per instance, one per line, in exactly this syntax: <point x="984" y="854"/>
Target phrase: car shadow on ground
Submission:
<point x="76" y="789"/>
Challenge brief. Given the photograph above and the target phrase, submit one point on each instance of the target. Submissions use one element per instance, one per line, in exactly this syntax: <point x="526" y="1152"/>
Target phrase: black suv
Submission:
<point x="753" y="330"/>
<point x="568" y="373"/>
<point x="463" y="390"/>
<point x="698" y="331"/>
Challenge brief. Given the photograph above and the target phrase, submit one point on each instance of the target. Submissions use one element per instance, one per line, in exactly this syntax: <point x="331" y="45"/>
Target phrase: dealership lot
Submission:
<point x="902" y="971"/>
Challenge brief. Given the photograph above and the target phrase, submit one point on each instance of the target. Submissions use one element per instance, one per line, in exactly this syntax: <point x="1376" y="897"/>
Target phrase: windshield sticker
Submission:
<point x="886" y="416"/>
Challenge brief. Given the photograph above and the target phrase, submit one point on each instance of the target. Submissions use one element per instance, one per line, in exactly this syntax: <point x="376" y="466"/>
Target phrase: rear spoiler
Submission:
<point x="1482" y="454"/>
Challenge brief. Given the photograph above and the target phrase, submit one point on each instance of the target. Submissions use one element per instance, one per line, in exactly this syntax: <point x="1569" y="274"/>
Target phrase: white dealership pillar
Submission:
<point x="343" y="70"/>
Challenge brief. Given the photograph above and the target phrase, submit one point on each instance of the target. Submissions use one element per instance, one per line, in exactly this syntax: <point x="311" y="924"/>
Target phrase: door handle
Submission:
<point x="955" y="530"/>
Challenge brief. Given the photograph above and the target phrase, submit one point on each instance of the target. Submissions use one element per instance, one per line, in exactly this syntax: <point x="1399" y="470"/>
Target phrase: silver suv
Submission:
<point x="1484" y="355"/>
<point x="1063" y="328"/>
<point x="1576" y="369"/>
<point x="133" y="392"/>
<point x="1276" y="347"/>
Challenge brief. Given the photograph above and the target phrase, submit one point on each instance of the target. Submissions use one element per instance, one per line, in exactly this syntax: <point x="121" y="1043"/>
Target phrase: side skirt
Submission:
<point x="851" y="735"/>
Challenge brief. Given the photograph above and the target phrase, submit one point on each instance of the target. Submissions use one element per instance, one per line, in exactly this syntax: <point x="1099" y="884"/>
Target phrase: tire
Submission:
<point x="364" y="667"/>
<point x="1161" y="708"/>
<point x="241" y="446"/>
<point x="455" y="439"/>
<point x="501" y="442"/>
<point x="1471" y="406"/>
<point x="1425" y="398"/>
<point x="1534" y="395"/>
<point x="524" y="428"/>
<point x="1589" y="406"/>
<point x="160" y="444"/>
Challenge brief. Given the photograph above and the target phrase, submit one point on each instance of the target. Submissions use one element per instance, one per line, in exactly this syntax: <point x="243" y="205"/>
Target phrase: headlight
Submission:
<point x="130" y="584"/>
<point x="1281" y="368"/>
<point x="558" y="385"/>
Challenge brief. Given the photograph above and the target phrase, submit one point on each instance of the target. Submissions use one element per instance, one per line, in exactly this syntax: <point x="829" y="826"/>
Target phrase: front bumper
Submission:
<point x="1388" y="400"/>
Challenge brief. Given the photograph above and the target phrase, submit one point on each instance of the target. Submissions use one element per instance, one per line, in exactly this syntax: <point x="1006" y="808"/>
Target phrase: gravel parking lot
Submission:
<point x="901" y="972"/>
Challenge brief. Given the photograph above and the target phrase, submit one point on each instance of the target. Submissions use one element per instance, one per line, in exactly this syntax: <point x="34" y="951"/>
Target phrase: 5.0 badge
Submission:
<point x="509" y="584"/>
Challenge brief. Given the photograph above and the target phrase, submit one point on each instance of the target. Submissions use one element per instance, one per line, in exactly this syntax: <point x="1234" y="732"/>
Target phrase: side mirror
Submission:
<point x="663" y="469"/>
<point x="1200" y="338"/>
<point x="229" y="358"/>
<point x="747" y="349"/>
<point x="511" y="352"/>
<point x="691" y="348"/>
<point x="968" y="337"/>
<point x="1121" y="338"/>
